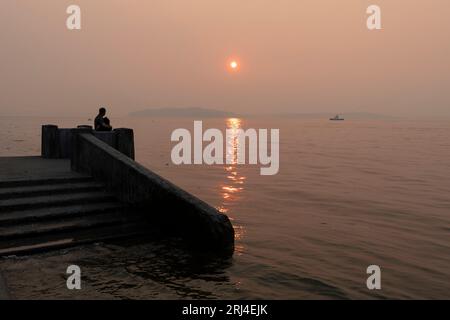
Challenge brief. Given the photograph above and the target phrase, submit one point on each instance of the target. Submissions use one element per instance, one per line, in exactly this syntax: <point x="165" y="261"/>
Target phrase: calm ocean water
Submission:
<point x="348" y="195"/>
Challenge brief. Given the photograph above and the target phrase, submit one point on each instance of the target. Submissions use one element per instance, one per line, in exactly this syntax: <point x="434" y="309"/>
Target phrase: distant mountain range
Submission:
<point x="183" y="113"/>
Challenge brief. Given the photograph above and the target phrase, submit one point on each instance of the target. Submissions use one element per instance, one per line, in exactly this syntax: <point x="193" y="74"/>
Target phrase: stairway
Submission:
<point x="48" y="214"/>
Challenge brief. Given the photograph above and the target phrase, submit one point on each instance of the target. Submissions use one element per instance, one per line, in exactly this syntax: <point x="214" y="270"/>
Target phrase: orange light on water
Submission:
<point x="233" y="187"/>
<point x="234" y="123"/>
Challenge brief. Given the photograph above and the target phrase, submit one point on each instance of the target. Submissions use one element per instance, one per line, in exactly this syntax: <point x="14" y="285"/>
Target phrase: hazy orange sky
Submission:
<point x="296" y="56"/>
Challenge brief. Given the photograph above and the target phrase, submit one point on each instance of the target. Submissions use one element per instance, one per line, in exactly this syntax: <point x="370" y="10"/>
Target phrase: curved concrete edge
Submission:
<point x="180" y="211"/>
<point x="4" y="293"/>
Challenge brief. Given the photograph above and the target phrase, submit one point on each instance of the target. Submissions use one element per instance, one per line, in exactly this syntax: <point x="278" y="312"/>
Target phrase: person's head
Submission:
<point x="102" y="111"/>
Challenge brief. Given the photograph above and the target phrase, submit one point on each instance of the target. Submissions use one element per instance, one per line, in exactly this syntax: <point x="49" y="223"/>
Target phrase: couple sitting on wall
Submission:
<point x="102" y="123"/>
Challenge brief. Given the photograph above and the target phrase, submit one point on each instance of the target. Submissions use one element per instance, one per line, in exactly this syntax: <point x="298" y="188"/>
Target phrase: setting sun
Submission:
<point x="233" y="65"/>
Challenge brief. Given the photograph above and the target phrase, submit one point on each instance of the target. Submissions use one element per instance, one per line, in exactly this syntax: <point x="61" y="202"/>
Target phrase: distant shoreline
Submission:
<point x="213" y="113"/>
<point x="293" y="116"/>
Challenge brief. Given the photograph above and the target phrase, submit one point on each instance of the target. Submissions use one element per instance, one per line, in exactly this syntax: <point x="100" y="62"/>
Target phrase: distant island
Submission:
<point x="183" y="112"/>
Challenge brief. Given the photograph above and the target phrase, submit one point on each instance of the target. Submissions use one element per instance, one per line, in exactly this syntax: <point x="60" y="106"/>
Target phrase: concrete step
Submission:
<point x="54" y="201"/>
<point x="55" y="213"/>
<point x="36" y="182"/>
<point x="35" y="230"/>
<point x="59" y="188"/>
<point x="72" y="238"/>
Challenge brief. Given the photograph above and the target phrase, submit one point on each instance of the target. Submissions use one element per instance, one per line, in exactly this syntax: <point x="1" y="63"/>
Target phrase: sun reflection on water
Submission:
<point x="234" y="184"/>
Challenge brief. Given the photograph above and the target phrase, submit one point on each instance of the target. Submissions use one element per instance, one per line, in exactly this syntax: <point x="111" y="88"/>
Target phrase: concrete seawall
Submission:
<point x="178" y="211"/>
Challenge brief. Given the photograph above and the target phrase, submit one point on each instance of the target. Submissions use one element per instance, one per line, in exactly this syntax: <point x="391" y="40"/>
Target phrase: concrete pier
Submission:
<point x="99" y="194"/>
<point x="34" y="168"/>
<point x="44" y="205"/>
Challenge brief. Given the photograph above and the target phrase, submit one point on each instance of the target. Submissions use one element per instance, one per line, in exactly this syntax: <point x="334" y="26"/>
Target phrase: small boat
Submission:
<point x="337" y="118"/>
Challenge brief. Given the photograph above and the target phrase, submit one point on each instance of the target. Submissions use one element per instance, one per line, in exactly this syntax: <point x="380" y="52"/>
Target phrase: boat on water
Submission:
<point x="337" y="118"/>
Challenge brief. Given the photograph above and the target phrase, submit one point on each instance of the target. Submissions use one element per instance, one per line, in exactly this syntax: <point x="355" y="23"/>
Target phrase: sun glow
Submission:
<point x="233" y="65"/>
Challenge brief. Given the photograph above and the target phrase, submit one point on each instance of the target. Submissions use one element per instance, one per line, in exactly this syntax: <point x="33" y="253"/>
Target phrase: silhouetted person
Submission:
<point x="102" y="123"/>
